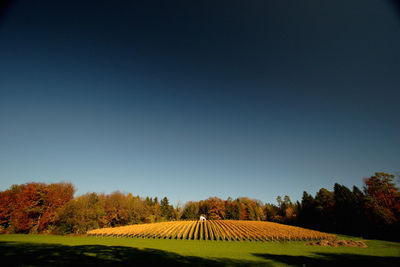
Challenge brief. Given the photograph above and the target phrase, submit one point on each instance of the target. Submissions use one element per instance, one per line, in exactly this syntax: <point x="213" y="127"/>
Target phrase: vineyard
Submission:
<point x="228" y="230"/>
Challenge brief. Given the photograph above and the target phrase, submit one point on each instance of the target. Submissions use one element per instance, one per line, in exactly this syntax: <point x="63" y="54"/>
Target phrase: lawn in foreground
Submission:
<point x="81" y="250"/>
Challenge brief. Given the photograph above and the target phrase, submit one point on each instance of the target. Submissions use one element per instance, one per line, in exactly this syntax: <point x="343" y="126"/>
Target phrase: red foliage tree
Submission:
<point x="382" y="199"/>
<point x="32" y="207"/>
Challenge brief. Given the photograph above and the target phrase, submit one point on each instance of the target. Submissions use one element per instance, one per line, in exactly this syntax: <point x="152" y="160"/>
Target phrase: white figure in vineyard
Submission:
<point x="202" y="218"/>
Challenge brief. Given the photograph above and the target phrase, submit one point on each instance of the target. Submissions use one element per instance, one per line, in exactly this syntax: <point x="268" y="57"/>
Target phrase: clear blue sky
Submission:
<point x="196" y="99"/>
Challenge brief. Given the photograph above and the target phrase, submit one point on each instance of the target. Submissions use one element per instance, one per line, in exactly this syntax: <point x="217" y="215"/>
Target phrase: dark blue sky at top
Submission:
<point x="195" y="99"/>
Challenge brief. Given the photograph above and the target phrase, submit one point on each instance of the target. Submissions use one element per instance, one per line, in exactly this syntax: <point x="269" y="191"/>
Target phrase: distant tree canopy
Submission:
<point x="217" y="209"/>
<point x="51" y="208"/>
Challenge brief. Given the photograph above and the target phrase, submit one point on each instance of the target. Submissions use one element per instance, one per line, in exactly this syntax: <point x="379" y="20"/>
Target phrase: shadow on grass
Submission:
<point x="332" y="259"/>
<point x="32" y="254"/>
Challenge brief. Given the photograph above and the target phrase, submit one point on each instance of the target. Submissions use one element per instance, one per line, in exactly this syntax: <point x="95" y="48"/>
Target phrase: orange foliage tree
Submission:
<point x="33" y="207"/>
<point x="382" y="199"/>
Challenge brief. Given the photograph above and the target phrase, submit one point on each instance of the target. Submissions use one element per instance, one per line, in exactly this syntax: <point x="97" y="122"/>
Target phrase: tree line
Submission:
<point x="373" y="212"/>
<point x="52" y="208"/>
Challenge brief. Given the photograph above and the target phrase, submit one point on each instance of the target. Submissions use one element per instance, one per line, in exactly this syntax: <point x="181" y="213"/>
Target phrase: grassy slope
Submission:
<point x="50" y="250"/>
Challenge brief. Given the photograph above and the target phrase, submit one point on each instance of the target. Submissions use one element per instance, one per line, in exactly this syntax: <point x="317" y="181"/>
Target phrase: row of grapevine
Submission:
<point x="229" y="230"/>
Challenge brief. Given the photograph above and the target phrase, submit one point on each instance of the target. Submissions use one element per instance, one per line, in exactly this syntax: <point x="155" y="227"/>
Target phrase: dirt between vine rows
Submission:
<point x="338" y="243"/>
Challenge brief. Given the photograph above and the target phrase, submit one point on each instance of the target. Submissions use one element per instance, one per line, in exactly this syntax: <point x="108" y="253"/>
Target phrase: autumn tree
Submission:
<point x="140" y="212"/>
<point x="82" y="214"/>
<point x="32" y="207"/>
<point x="155" y="210"/>
<point x="382" y="201"/>
<point x="7" y="200"/>
<point x="213" y="208"/>
<point x="54" y="198"/>
<point x="118" y="209"/>
<point x="252" y="208"/>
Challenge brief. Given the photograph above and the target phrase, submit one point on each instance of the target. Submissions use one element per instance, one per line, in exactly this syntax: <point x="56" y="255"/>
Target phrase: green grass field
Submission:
<point x="40" y="250"/>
